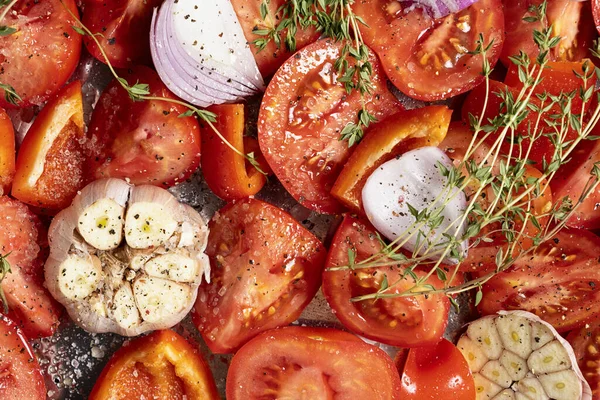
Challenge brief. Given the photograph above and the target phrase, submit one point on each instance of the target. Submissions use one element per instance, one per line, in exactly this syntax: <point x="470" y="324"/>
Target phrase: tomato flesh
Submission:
<point x="586" y="345"/>
<point x="401" y="321"/>
<point x="39" y="58"/>
<point x="7" y="153"/>
<point x="265" y="268"/>
<point x="310" y="363"/>
<point x="301" y="117"/>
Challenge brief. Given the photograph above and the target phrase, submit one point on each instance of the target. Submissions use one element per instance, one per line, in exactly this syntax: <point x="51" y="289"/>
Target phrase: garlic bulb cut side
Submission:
<point x="126" y="259"/>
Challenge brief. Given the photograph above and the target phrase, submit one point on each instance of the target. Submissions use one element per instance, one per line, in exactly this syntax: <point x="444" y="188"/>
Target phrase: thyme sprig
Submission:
<point x="509" y="211"/>
<point x="334" y="19"/>
<point x="140" y="91"/>
<point x="4" y="270"/>
<point x="6" y="6"/>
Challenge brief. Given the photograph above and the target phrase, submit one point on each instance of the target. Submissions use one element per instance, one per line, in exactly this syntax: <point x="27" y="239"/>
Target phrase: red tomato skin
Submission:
<point x="7" y="152"/>
<point x="261" y="366"/>
<point x="410" y="322"/>
<point x="586" y="346"/>
<point x="160" y="365"/>
<point x="20" y="375"/>
<point x="596" y="13"/>
<point x="437" y="372"/>
<point x="24" y="237"/>
<point x="62" y="167"/>
<point x="143" y="141"/>
<point x="34" y="71"/>
<point x="250" y="243"/>
<point x="300" y="138"/>
<point x="124" y="26"/>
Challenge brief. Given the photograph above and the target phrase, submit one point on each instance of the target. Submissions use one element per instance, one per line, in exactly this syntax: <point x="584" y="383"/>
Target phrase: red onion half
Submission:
<point x="440" y="8"/>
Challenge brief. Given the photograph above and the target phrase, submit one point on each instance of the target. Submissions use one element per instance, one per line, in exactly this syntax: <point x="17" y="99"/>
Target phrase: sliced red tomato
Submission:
<point x="570" y="20"/>
<point x="227" y="173"/>
<point x="437" y="372"/>
<point x="162" y="365"/>
<point x="265" y="268"/>
<point x="50" y="161"/>
<point x="7" y="152"/>
<point x="23" y="238"/>
<point x="559" y="282"/>
<point x="144" y="141"/>
<point x="42" y="54"/>
<point x="20" y="375"/>
<point x="311" y="363"/>
<point x="596" y="13"/>
<point x="271" y="56"/>
<point x="428" y="59"/>
<point x="586" y="345"/>
<point x="302" y="115"/>
<point x="397" y="134"/>
<point x="124" y="27"/>
<point x="401" y="321"/>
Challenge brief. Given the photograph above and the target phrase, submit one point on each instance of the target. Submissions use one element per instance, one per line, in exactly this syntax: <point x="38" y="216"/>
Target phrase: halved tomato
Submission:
<point x="50" y="160"/>
<point x="302" y="115"/>
<point x="144" y="141"/>
<point x="400" y="321"/>
<point x="42" y="54"/>
<point x="586" y="345"/>
<point x="428" y="59"/>
<point x="271" y="56"/>
<point x="311" y="363"/>
<point x="7" y="152"/>
<point x="559" y="282"/>
<point x="20" y="375"/>
<point x="162" y="365"/>
<point x="23" y="238"/>
<point x="570" y="20"/>
<point x="397" y="134"/>
<point x="123" y="28"/>
<point x="265" y="268"/>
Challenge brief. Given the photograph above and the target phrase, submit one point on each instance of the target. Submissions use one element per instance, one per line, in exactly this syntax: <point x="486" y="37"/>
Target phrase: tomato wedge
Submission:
<point x="49" y="169"/>
<point x="397" y="134"/>
<point x="20" y="375"/>
<point x="143" y="141"/>
<point x="162" y="365"/>
<point x="265" y="268"/>
<point x="311" y="363"/>
<point x="559" y="282"/>
<point x="227" y="173"/>
<point x="586" y="345"/>
<point x="7" y="152"/>
<point x="23" y="236"/>
<point x="42" y="54"/>
<point x="123" y="27"/>
<point x="428" y="59"/>
<point x="301" y="117"/>
<point x="401" y="321"/>
<point x="437" y="372"/>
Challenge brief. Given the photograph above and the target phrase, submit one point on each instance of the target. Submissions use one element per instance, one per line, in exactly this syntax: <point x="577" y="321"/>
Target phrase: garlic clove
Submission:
<point x="79" y="276"/>
<point x="101" y="224"/>
<point x="176" y="267"/>
<point x="158" y="298"/>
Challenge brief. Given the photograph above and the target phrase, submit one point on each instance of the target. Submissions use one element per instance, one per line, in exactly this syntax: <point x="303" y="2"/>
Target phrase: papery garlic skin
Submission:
<point x="126" y="259"/>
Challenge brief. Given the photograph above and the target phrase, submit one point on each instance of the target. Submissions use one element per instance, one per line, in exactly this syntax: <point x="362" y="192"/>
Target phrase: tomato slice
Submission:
<point x="144" y="141"/>
<point x="265" y="268"/>
<point x="20" y="375"/>
<point x="162" y="365"/>
<point x="23" y="236"/>
<point x="401" y="321"/>
<point x="301" y="116"/>
<point x="228" y="174"/>
<point x="596" y="13"/>
<point x="570" y="20"/>
<point x="398" y="133"/>
<point x="49" y="169"/>
<point x="39" y="58"/>
<point x="271" y="57"/>
<point x="586" y="345"/>
<point x="437" y="372"/>
<point x="7" y="152"/>
<point x="309" y="363"/>
<point x="124" y="27"/>
<point x="559" y="282"/>
<point x="428" y="59"/>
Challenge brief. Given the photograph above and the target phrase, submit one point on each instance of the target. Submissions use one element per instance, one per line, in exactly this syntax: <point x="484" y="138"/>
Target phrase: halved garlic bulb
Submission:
<point x="126" y="259"/>
<point x="516" y="355"/>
